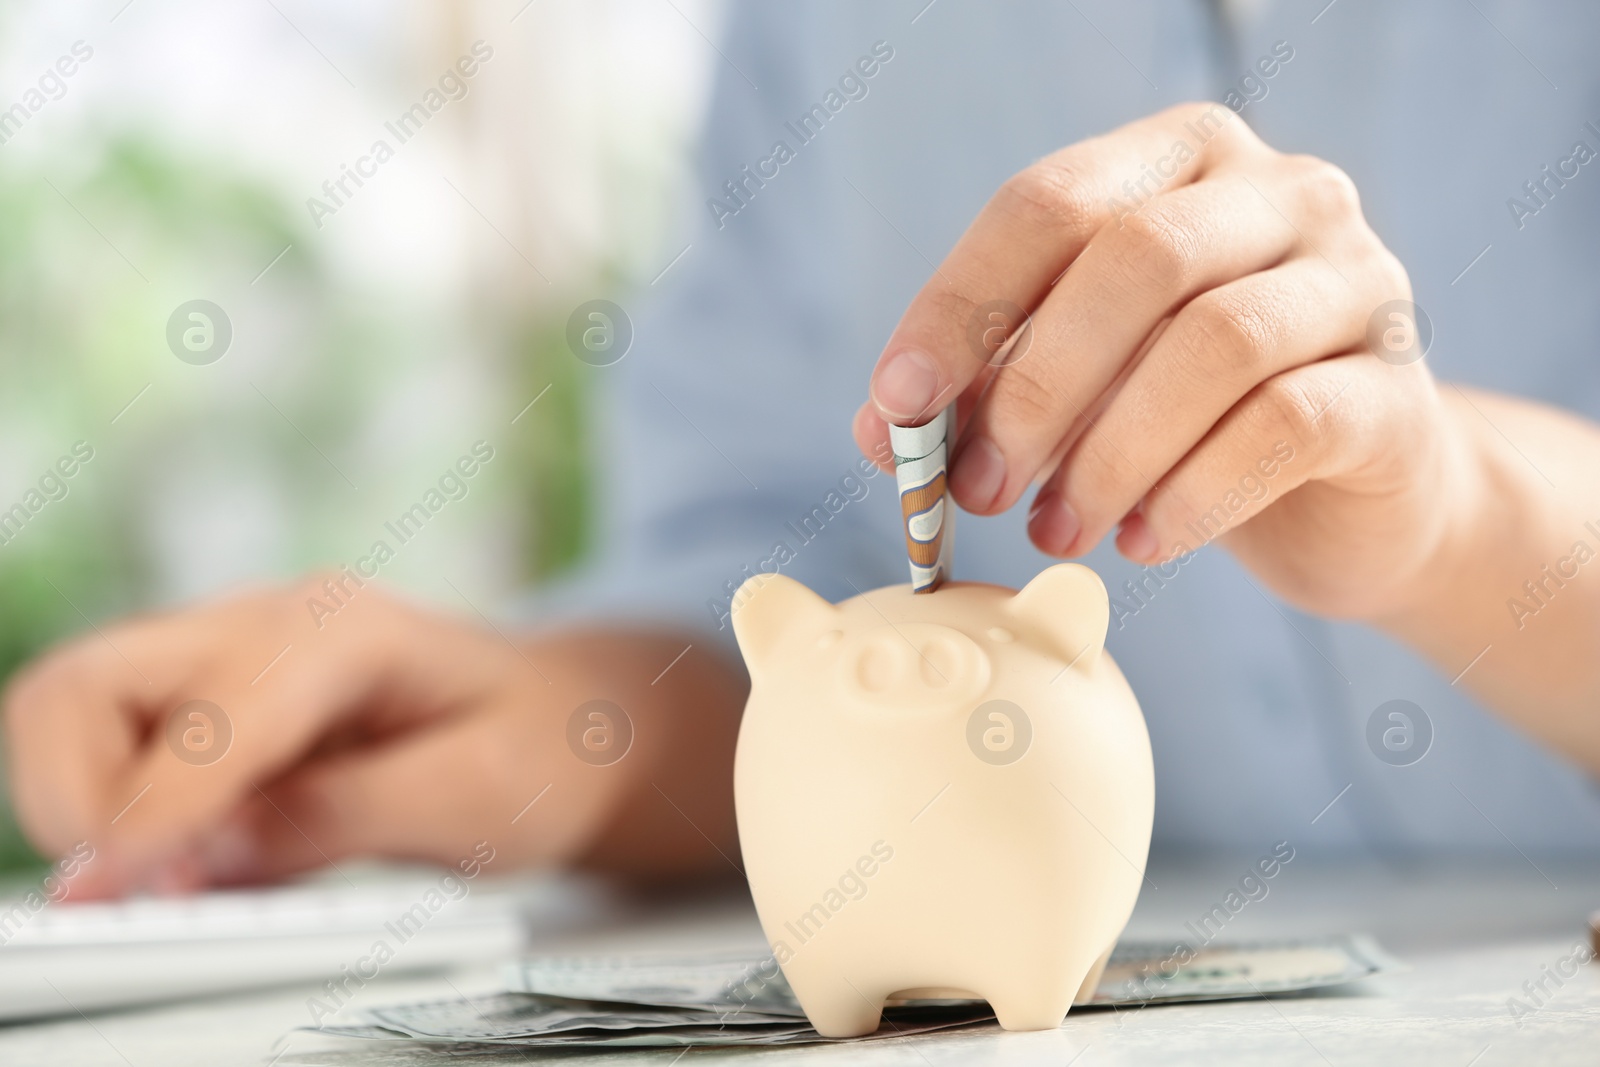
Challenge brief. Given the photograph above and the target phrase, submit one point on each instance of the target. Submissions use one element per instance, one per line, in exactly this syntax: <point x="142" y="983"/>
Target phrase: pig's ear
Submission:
<point x="1065" y="609"/>
<point x="771" y="612"/>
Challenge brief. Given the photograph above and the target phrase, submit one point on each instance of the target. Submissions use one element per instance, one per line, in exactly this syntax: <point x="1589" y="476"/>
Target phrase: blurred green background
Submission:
<point x="368" y="351"/>
<point x="76" y="346"/>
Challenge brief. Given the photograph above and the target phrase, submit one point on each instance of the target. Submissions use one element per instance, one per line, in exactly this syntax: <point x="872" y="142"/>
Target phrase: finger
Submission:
<point x="429" y="796"/>
<point x="1132" y="276"/>
<point x="872" y="433"/>
<point x="872" y="436"/>
<point x="79" y="716"/>
<point x="169" y="767"/>
<point x="1309" y="425"/>
<point x="66" y="733"/>
<point x="1221" y="345"/>
<point x="1030" y="232"/>
<point x="267" y="725"/>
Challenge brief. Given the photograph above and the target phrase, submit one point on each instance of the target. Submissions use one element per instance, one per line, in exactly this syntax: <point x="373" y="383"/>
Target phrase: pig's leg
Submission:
<point x="1092" y="981"/>
<point x="838" y="1007"/>
<point x="1036" y="996"/>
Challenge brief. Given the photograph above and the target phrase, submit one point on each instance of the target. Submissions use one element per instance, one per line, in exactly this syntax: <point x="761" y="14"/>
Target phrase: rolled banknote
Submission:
<point x="921" y="456"/>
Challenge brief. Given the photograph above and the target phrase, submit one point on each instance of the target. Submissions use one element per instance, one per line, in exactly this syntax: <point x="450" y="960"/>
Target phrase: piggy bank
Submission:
<point x="940" y="795"/>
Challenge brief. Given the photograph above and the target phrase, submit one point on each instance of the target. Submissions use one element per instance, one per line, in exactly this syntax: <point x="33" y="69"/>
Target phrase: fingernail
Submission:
<point x="232" y="854"/>
<point x="102" y="876"/>
<point x="178" y="876"/>
<point x="1136" y="541"/>
<point x="1052" y="524"/>
<point x="979" y="475"/>
<point x="906" y="386"/>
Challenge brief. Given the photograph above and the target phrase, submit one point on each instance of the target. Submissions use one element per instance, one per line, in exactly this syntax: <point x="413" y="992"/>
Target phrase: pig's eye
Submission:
<point x="1000" y="635"/>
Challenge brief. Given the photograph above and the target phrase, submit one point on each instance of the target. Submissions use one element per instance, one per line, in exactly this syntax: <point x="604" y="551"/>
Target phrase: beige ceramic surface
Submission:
<point x="905" y="831"/>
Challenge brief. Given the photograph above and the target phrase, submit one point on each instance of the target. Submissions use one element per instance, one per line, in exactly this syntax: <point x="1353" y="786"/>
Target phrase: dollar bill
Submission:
<point x="675" y="1000"/>
<point x="734" y="983"/>
<point x="1155" y="973"/>
<point x="524" y="1015"/>
<point x="508" y="1019"/>
<point x="1139" y="972"/>
<point x="921" y="460"/>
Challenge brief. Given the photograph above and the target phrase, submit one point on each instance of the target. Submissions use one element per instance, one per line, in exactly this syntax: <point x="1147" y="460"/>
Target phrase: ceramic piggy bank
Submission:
<point x="941" y="795"/>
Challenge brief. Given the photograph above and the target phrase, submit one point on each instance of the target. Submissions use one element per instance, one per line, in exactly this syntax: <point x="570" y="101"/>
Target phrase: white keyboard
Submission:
<point x="72" y="957"/>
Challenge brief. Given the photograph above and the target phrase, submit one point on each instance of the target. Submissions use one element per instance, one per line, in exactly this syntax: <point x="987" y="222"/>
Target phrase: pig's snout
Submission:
<point x="914" y="666"/>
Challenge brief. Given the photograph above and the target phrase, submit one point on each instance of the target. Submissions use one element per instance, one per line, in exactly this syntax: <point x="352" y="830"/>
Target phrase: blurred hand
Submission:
<point x="1194" y="363"/>
<point x="388" y="731"/>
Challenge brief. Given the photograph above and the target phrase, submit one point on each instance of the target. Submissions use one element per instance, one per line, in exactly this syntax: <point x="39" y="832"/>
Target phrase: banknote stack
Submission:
<point x="921" y="456"/>
<point x="663" y="1001"/>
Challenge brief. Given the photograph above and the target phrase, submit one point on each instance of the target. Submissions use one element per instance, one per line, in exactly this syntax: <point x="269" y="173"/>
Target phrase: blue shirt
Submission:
<point x="728" y="422"/>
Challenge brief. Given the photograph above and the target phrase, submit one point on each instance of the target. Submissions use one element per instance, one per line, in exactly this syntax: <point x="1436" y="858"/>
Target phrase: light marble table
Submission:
<point x="1471" y="933"/>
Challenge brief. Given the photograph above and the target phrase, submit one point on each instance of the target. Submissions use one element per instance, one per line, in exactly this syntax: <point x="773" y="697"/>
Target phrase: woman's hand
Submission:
<point x="382" y="729"/>
<point x="1194" y="363"/>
